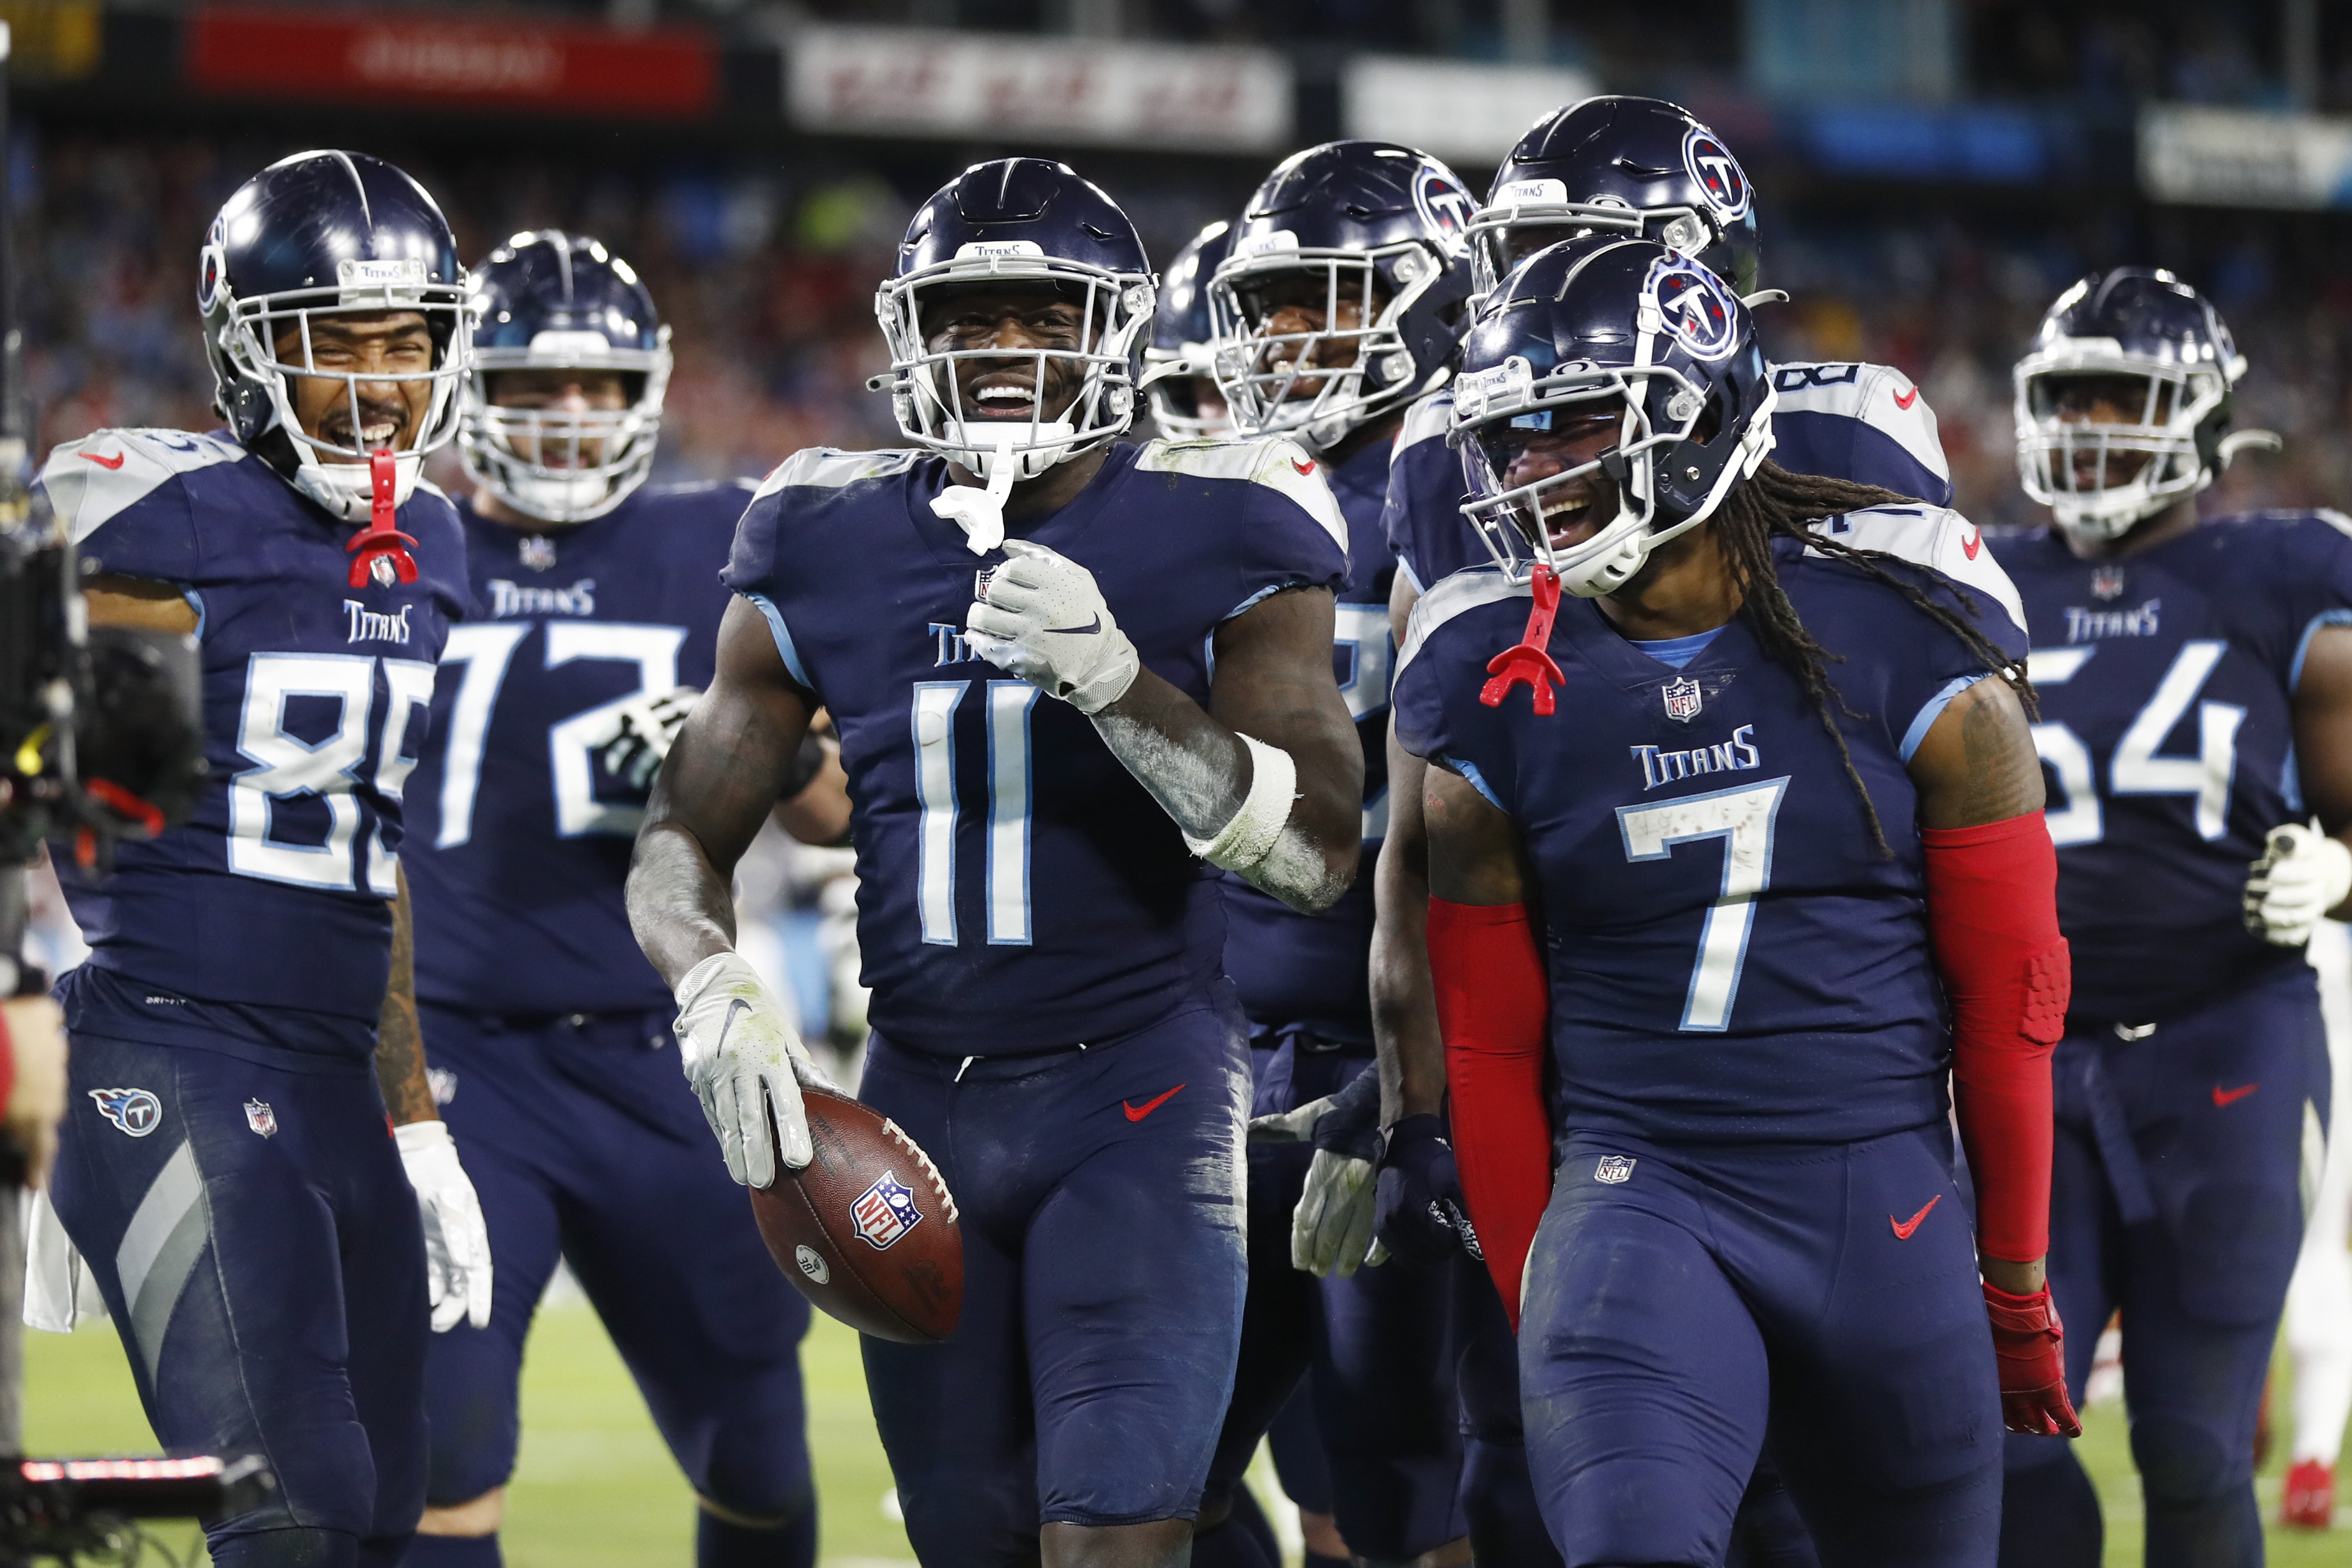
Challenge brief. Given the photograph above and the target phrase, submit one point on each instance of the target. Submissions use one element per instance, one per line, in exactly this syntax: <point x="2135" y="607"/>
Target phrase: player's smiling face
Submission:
<point x="2107" y="400"/>
<point x="1018" y="319"/>
<point x="1290" y="306"/>
<point x="369" y="415"/>
<point x="564" y="395"/>
<point x="1576" y="509"/>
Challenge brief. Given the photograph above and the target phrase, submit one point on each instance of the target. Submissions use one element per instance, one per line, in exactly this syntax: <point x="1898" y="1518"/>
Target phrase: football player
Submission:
<point x="1064" y="671"/>
<point x="1773" y="795"/>
<point x="248" y="1014"/>
<point x="1180" y="375"/>
<point x="2196" y="680"/>
<point x="1343" y="299"/>
<point x="1638" y="167"/>
<point x="597" y="605"/>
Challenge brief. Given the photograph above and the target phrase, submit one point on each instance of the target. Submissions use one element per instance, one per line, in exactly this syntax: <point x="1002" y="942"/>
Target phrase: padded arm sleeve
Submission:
<point x="1992" y="916"/>
<point x="1492" y="1004"/>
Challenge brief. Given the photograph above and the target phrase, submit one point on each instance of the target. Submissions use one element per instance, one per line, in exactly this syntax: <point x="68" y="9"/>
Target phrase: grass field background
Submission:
<point x="597" y="1490"/>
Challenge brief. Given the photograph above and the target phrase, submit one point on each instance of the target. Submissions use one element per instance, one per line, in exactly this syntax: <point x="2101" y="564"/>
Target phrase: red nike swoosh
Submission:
<point x="1972" y="543"/>
<point x="1904" y="1228"/>
<point x="2231" y="1096"/>
<point x="1138" y="1112"/>
<point x="113" y="462"/>
<point x="1903" y="400"/>
<point x="1304" y="468"/>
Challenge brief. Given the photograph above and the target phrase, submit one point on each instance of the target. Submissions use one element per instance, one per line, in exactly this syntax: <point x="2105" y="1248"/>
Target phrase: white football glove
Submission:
<point x="644" y="732"/>
<point x="456" y="1241"/>
<point x="1332" y="1228"/>
<point x="2302" y="875"/>
<point x="744" y="1059"/>
<point x="1042" y="617"/>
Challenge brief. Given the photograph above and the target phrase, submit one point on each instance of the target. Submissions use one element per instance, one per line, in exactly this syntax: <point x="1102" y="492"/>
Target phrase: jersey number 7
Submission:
<point x="1743" y="818"/>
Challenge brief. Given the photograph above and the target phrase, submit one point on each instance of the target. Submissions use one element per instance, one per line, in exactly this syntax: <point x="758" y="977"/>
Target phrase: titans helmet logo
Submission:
<point x="1695" y="307"/>
<point x="1445" y="207"/>
<point x="1717" y="173"/>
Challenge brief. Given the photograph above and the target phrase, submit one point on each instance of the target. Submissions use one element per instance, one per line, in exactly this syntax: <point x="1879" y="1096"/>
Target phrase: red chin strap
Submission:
<point x="380" y="538"/>
<point x="1529" y="663"/>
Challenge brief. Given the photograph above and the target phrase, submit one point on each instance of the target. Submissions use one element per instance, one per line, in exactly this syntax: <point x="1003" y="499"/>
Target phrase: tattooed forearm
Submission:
<point x="1978" y="763"/>
<point x="399" y="1042"/>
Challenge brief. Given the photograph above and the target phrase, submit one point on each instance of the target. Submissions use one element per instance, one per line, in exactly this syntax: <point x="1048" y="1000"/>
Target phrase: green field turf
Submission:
<point x="597" y="1490"/>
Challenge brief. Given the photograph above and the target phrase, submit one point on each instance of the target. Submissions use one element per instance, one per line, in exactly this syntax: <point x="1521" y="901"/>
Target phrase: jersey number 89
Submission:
<point x="287" y="766"/>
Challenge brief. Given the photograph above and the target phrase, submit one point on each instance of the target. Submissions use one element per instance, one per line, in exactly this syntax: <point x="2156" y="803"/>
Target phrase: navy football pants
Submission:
<point x="269" y="1287"/>
<point x="1708" y="1302"/>
<point x="2175" y="1196"/>
<point x="1371" y="1349"/>
<point x="1101" y="1199"/>
<point x="584" y="1142"/>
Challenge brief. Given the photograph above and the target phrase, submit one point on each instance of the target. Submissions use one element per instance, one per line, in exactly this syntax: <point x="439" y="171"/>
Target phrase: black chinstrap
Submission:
<point x="1775" y="504"/>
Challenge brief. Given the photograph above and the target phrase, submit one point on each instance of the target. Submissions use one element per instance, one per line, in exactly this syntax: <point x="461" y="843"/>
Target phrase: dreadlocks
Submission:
<point x="1777" y="504"/>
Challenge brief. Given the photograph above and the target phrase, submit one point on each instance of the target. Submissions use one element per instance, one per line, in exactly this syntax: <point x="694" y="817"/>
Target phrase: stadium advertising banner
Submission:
<point x="2242" y="158"/>
<point x="1464" y="113"/>
<point x="422" y="58"/>
<point x="893" y="81"/>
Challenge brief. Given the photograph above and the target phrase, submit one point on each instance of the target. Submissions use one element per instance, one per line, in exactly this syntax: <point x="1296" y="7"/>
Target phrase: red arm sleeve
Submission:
<point x="1492" y="1004"/>
<point x="1992" y="917"/>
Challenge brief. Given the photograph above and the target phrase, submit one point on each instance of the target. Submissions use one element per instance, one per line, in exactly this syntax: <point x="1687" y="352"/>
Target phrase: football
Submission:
<point x="868" y="1230"/>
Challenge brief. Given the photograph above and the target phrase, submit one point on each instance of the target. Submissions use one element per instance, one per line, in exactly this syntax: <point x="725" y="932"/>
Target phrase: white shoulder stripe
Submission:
<point x="1876" y="395"/>
<point x="1428" y="419"/>
<point x="1933" y="536"/>
<point x="1274" y="461"/>
<point x="827" y="468"/>
<point x="92" y="480"/>
<point x="1462" y="592"/>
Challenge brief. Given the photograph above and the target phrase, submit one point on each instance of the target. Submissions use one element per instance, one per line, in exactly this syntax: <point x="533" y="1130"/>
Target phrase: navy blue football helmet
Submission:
<point x="1626" y="328"/>
<point x="1180" y="374"/>
<point x="313" y="234"/>
<point x="1026" y="220"/>
<point x="552" y="300"/>
<point x="1376" y="235"/>
<point x="1628" y="165"/>
<point x="2145" y="339"/>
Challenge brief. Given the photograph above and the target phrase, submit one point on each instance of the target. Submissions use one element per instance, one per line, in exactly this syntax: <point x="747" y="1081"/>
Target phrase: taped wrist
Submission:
<point x="1249" y="835"/>
<point x="1992" y="919"/>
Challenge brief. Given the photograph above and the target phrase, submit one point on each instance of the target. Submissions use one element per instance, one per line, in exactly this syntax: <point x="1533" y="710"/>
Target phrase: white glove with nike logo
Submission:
<point x="1041" y="616"/>
<point x="744" y="1059"/>
<point x="2302" y="875"/>
<point x="456" y="1239"/>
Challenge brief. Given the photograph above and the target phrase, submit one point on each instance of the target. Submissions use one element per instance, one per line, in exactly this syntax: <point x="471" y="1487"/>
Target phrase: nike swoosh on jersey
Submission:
<point x="1903" y="400"/>
<point x="1972" y="543"/>
<point x="2223" y="1097"/>
<point x="113" y="462"/>
<point x="1304" y="468"/>
<point x="1904" y="1228"/>
<point x="1087" y="630"/>
<point x="1136" y="1113"/>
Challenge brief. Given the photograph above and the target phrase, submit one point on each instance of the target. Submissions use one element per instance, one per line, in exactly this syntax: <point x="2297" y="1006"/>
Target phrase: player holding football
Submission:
<point x="1772" y="802"/>
<point x="2197" y="715"/>
<point x="1061" y="669"/>
<point x="1641" y="166"/>
<point x="1344" y="299"/>
<point x="228" y="1169"/>
<point x="597" y="605"/>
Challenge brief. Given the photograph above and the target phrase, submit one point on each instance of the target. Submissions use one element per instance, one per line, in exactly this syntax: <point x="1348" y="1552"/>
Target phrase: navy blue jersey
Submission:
<point x="1018" y="890"/>
<point x="1730" y="959"/>
<point x="1291" y="967"/>
<point x="1859" y="422"/>
<point x="316" y="697"/>
<point x="2167" y="740"/>
<point x="522" y="836"/>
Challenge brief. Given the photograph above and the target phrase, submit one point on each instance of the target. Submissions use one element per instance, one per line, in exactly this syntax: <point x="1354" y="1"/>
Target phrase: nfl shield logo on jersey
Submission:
<point x="260" y="1118"/>
<point x="536" y="551"/>
<point x="1683" y="700"/>
<point x="136" y="1110"/>
<point x="1614" y="1170"/>
<point x="885" y="1212"/>
<point x="2107" y="583"/>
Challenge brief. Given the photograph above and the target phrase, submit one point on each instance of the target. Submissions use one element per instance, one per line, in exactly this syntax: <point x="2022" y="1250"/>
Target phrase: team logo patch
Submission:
<point x="2107" y="583"/>
<point x="537" y="552"/>
<point x="811" y="1264"/>
<point x="1614" y="1170"/>
<point x="212" y="267"/>
<point x="1718" y="173"/>
<point x="885" y="1212"/>
<point x="1445" y="207"/>
<point x="1695" y="307"/>
<point x="136" y="1111"/>
<point x="1683" y="700"/>
<point x="260" y="1118"/>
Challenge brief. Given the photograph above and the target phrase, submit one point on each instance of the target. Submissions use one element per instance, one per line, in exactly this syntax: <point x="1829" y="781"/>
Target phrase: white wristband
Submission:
<point x="1247" y="837"/>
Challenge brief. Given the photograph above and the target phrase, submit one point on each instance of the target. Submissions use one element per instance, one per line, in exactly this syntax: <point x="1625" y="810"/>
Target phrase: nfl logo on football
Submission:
<point x="885" y="1212"/>
<point x="1614" y="1170"/>
<point x="1683" y="700"/>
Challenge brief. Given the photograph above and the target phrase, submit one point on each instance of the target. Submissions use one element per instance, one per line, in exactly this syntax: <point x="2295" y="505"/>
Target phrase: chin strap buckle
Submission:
<point x="1529" y="663"/>
<point x="380" y="540"/>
